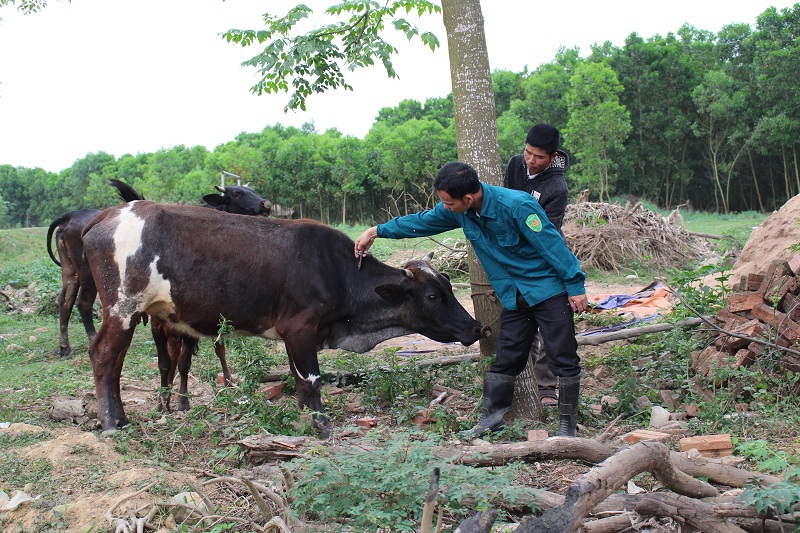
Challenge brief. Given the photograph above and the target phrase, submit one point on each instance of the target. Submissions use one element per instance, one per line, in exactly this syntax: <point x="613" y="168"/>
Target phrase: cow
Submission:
<point x="240" y="199"/>
<point x="78" y="284"/>
<point x="76" y="277"/>
<point x="290" y="280"/>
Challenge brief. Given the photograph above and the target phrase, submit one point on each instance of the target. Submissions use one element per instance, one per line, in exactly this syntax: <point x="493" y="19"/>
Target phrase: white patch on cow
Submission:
<point x="428" y="270"/>
<point x="272" y="333"/>
<point x="312" y="378"/>
<point x="158" y="291"/>
<point x="127" y="242"/>
<point x="127" y="237"/>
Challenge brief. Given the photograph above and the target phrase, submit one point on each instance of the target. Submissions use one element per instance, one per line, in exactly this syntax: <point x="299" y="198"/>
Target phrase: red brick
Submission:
<point x="794" y="263"/>
<point x="743" y="357"/>
<point x="273" y="391"/>
<point x="537" y="434"/>
<point x="645" y="434"/>
<point x="791" y="306"/>
<point x="708" y="445"/>
<point x="754" y="281"/>
<point x="367" y="422"/>
<point x="743" y="301"/>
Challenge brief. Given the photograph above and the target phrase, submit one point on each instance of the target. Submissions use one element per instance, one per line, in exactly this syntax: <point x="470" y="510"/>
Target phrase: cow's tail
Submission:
<point x="126" y="192"/>
<point x="53" y="225"/>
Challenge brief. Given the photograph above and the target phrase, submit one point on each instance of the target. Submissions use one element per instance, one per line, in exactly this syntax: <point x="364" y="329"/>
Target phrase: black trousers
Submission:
<point x="554" y="317"/>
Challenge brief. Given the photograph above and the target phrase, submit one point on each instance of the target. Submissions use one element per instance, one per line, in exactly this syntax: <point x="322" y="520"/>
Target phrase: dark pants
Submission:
<point x="554" y="317"/>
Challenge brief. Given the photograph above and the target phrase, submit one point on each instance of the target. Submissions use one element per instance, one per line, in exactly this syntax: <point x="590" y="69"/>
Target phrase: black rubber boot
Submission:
<point x="498" y="391"/>
<point x="568" y="399"/>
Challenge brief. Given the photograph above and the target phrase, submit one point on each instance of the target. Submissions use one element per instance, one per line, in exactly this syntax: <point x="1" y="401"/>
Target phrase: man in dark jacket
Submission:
<point x="534" y="274"/>
<point x="540" y="171"/>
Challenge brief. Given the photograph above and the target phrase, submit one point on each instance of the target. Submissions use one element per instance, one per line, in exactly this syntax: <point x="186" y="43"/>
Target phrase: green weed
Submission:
<point x="379" y="489"/>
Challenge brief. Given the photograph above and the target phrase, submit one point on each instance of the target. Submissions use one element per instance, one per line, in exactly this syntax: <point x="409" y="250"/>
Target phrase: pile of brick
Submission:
<point x="764" y="305"/>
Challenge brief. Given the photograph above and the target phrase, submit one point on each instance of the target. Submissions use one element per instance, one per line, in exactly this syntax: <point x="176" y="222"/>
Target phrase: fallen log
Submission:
<point x="595" y="486"/>
<point x="698" y="514"/>
<point x="718" y="471"/>
<point x="264" y="447"/>
<point x="600" y="338"/>
<point x="612" y="524"/>
<point x="553" y="448"/>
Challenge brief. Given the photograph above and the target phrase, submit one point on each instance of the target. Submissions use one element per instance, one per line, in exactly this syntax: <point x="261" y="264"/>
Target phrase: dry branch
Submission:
<point x="607" y="237"/>
<point x="698" y="514"/>
<point x="430" y="502"/>
<point x="600" y="482"/>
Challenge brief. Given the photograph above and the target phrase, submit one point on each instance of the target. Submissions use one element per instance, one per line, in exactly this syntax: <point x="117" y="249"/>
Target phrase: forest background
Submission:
<point x="706" y="120"/>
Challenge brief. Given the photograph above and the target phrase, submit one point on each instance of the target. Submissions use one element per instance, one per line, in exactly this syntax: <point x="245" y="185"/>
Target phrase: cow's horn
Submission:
<point x="407" y="273"/>
<point x="428" y="257"/>
<point x="220" y="189"/>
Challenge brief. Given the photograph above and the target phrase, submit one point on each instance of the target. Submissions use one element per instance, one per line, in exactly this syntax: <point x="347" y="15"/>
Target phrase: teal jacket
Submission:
<point x="517" y="245"/>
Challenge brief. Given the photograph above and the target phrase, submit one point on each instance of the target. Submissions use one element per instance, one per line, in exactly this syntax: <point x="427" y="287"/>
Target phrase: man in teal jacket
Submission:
<point x="534" y="274"/>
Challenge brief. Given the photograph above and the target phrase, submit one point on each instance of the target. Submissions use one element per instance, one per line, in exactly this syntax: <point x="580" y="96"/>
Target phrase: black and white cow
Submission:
<point x="173" y="350"/>
<point x="293" y="280"/>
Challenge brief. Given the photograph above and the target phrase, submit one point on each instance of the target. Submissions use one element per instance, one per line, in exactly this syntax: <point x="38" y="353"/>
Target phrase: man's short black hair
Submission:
<point x="544" y="136"/>
<point x="457" y="179"/>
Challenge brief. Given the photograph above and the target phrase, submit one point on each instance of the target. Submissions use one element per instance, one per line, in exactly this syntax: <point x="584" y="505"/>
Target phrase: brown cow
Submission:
<point x="78" y="284"/>
<point x="293" y="280"/>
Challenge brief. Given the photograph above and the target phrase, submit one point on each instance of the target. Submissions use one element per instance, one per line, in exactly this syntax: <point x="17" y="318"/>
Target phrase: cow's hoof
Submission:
<point x="324" y="428"/>
<point x="65" y="353"/>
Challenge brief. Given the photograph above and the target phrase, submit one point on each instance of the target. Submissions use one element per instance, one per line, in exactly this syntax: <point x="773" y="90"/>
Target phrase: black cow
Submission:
<point x="174" y="351"/>
<point x="239" y="199"/>
<point x="293" y="280"/>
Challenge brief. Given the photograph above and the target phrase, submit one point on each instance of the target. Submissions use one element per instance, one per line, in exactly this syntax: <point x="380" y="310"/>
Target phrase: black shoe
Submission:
<point x="498" y="392"/>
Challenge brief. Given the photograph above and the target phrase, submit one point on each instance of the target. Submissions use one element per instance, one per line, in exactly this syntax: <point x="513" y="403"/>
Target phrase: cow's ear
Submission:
<point x="214" y="200"/>
<point x="391" y="292"/>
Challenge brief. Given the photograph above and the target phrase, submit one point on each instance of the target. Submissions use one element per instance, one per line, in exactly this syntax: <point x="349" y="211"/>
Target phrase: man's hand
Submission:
<point x="364" y="242"/>
<point x="578" y="303"/>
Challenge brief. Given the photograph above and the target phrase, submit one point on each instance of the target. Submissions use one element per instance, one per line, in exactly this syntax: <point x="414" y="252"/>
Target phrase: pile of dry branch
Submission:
<point x="763" y="311"/>
<point x="695" y="491"/>
<point x="609" y="236"/>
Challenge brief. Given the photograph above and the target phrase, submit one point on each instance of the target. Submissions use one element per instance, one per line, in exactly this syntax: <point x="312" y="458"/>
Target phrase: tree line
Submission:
<point x="710" y="121"/>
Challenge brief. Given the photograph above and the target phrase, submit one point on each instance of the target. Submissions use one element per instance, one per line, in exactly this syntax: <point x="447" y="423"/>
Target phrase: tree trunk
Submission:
<point x="526" y="403"/>
<point x="476" y="129"/>
<point x="755" y="182"/>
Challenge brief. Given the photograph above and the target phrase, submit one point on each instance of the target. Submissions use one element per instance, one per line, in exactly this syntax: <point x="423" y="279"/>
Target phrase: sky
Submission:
<point x="136" y="76"/>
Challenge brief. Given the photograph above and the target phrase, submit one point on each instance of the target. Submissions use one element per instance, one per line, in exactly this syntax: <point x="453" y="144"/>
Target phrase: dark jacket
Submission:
<point x="549" y="187"/>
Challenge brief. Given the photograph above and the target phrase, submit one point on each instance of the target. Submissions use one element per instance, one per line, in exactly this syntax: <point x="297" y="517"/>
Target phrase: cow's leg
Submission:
<point x="302" y="349"/>
<point x="66" y="300"/>
<point x="188" y="349"/>
<point x="167" y="350"/>
<point x="219" y="349"/>
<point x="119" y="411"/>
<point x="107" y="351"/>
<point x="86" y="298"/>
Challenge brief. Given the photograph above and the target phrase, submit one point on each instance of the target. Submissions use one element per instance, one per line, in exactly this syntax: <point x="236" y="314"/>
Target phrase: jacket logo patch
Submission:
<point x="534" y="223"/>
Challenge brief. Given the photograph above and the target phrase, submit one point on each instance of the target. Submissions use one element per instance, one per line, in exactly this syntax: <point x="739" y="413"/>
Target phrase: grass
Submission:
<point x="736" y="225"/>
